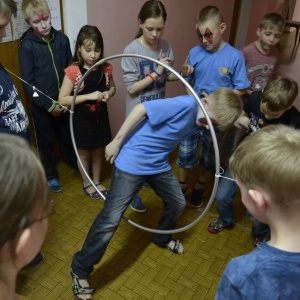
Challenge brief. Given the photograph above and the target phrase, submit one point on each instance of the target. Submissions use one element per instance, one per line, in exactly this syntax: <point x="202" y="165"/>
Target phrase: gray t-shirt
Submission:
<point x="135" y="69"/>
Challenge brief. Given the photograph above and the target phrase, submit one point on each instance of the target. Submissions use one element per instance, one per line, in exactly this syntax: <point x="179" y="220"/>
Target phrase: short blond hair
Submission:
<point x="280" y="93"/>
<point x="272" y="21"/>
<point x="270" y="159"/>
<point x="8" y="8"/>
<point x="227" y="107"/>
<point x="209" y="13"/>
<point x="34" y="7"/>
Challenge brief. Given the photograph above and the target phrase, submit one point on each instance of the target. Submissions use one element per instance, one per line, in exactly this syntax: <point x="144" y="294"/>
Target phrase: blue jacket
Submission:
<point x="42" y="65"/>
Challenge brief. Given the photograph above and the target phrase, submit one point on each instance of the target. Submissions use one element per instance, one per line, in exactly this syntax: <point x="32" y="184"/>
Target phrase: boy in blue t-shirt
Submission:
<point x="211" y="65"/>
<point x="266" y="168"/>
<point x="140" y="153"/>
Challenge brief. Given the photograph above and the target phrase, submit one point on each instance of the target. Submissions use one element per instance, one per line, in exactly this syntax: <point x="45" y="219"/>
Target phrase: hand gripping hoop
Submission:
<point x="215" y="143"/>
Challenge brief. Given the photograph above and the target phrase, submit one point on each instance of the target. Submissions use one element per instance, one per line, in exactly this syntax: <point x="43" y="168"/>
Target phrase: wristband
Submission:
<point x="158" y="75"/>
<point x="151" y="77"/>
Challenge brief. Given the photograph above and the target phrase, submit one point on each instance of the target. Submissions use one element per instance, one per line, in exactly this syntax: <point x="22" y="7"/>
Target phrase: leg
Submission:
<point x="97" y="161"/>
<point x="166" y="186"/>
<point x="224" y="196"/>
<point x="187" y="158"/>
<point x="260" y="230"/>
<point x="122" y="189"/>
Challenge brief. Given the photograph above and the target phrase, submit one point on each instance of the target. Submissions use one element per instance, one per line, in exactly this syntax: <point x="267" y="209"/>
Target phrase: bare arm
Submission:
<point x="113" y="148"/>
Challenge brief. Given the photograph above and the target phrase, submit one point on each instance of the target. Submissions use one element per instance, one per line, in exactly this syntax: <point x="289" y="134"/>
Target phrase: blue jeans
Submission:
<point x="122" y="190"/>
<point x="260" y="230"/>
<point x="224" y="196"/>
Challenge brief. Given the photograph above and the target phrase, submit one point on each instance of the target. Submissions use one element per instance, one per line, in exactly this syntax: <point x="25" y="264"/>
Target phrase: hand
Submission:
<point x="106" y="96"/>
<point x="57" y="111"/>
<point x="111" y="151"/>
<point x="186" y="69"/>
<point x="96" y="96"/>
<point x="166" y="60"/>
<point x="242" y="122"/>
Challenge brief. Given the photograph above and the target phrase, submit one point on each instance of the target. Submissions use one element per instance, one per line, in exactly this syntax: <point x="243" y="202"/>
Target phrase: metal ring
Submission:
<point x="215" y="143"/>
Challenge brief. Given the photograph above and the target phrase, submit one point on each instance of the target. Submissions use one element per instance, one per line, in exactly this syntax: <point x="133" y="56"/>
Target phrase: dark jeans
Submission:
<point x="46" y="128"/>
<point x="122" y="190"/>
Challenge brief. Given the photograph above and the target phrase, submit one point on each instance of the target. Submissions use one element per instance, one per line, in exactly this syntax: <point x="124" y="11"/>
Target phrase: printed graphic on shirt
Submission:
<point x="224" y="75"/>
<point x="147" y="67"/>
<point x="260" y="75"/>
<point x="255" y="124"/>
<point x="12" y="112"/>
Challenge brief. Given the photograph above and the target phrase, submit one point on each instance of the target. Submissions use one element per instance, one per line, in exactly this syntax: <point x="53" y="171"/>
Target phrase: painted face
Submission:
<point x="152" y="30"/>
<point x="268" y="38"/>
<point x="210" y="35"/>
<point x="89" y="53"/>
<point x="41" y="25"/>
<point x="269" y="115"/>
<point x="4" y="21"/>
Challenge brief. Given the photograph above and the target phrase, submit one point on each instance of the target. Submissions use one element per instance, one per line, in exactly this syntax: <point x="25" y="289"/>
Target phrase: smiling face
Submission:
<point x="89" y="53"/>
<point x="4" y="21"/>
<point x="41" y="24"/>
<point x="210" y="35"/>
<point x="152" y="30"/>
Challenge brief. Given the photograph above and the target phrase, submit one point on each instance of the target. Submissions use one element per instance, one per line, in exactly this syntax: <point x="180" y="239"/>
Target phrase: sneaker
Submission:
<point x="196" y="198"/>
<point x="38" y="258"/>
<point x="259" y="241"/>
<point x="137" y="204"/>
<point x="216" y="227"/>
<point x="54" y="185"/>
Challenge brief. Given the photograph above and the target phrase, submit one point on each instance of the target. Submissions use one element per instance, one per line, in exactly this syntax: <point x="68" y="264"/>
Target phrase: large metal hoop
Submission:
<point x="215" y="143"/>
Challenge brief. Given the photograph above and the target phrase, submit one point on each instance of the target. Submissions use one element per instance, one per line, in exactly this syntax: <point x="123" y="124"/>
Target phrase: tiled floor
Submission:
<point x="133" y="267"/>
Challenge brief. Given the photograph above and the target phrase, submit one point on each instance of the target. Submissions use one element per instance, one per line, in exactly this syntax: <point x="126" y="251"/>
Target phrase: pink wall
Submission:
<point x="117" y="21"/>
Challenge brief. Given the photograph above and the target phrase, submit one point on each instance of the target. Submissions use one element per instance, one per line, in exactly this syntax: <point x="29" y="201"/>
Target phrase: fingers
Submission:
<point x="186" y="60"/>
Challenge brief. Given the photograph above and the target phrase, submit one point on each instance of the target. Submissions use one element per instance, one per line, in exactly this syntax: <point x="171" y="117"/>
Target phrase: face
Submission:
<point x="269" y="115"/>
<point x="210" y="35"/>
<point x="207" y="102"/>
<point x="268" y="38"/>
<point x="41" y="24"/>
<point x="89" y="53"/>
<point x="4" y="21"/>
<point x="152" y="30"/>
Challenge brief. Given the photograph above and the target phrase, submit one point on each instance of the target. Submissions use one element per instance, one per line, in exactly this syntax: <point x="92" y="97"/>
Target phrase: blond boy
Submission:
<point x="266" y="168"/>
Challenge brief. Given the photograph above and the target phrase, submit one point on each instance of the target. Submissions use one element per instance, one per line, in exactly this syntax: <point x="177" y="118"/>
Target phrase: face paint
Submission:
<point x="41" y="24"/>
<point x="208" y="35"/>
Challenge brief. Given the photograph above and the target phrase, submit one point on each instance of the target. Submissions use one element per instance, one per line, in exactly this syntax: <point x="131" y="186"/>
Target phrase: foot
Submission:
<point x="137" y="204"/>
<point x="91" y="192"/>
<point x="216" y="227"/>
<point x="196" y="198"/>
<point x="102" y="189"/>
<point x="54" y="185"/>
<point x="175" y="246"/>
<point x="81" y="288"/>
<point x="259" y="241"/>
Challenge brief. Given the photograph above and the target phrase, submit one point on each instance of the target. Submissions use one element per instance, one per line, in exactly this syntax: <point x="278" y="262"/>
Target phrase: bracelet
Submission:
<point x="158" y="75"/>
<point x="154" y="79"/>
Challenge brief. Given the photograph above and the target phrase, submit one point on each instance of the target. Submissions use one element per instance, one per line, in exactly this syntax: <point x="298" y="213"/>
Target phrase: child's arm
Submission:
<point x="242" y="122"/>
<point x="111" y="91"/>
<point x="65" y="98"/>
<point x="113" y="148"/>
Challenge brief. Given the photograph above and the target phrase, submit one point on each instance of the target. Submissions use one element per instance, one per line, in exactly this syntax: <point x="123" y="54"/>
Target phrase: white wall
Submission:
<point x="75" y="16"/>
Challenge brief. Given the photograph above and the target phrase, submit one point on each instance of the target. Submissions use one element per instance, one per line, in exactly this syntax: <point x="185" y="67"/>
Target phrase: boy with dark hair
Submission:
<point x="261" y="56"/>
<point x="272" y="106"/>
<point x="140" y="153"/>
<point x="43" y="55"/>
<point x="266" y="168"/>
<point x="212" y="64"/>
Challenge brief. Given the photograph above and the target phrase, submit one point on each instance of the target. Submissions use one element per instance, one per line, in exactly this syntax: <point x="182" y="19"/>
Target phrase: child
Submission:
<point x="43" y="55"/>
<point x="24" y="209"/>
<point x="91" y="122"/>
<point x="212" y="64"/>
<point x="152" y="130"/>
<point x="146" y="81"/>
<point x="266" y="168"/>
<point x="261" y="57"/>
<point x="272" y="106"/>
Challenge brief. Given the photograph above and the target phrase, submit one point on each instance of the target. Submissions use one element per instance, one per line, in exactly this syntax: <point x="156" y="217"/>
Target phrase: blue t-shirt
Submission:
<point x="215" y="69"/>
<point x="265" y="273"/>
<point x="146" y="148"/>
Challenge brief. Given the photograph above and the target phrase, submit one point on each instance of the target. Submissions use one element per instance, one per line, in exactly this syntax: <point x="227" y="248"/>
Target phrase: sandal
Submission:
<point x="78" y="289"/>
<point x="94" y="195"/>
<point x="104" y="192"/>
<point x="175" y="248"/>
